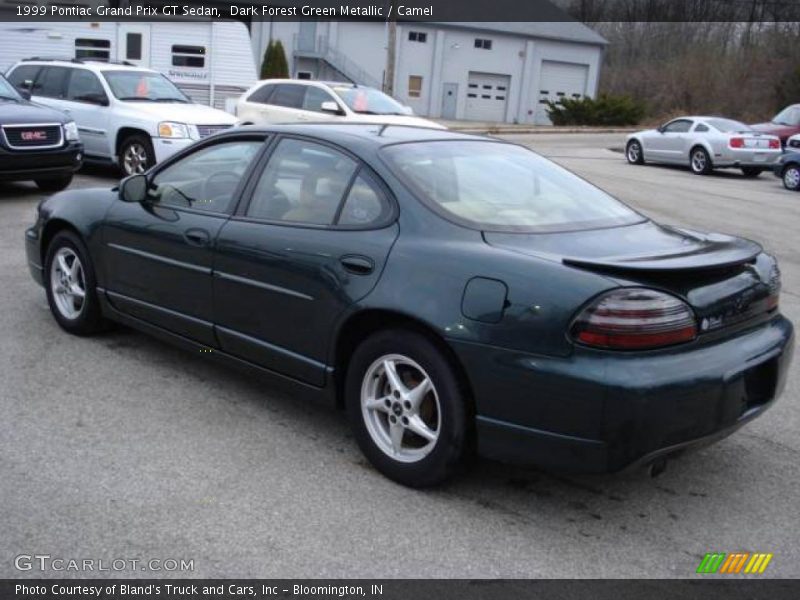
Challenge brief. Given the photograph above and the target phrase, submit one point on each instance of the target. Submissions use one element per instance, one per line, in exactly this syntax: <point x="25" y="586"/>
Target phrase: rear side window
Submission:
<point x="288" y="95"/>
<point x="262" y="94"/>
<point x="365" y="204"/>
<point x="52" y="82"/>
<point x="700" y="128"/>
<point x="24" y="76"/>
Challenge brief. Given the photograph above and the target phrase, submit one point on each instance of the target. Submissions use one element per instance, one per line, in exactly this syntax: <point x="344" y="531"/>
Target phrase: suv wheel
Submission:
<point x="54" y="184"/>
<point x="791" y="177"/>
<point x="136" y="155"/>
<point x="406" y="407"/>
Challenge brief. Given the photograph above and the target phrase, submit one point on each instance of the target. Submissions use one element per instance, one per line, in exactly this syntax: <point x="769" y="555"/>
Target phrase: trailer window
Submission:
<point x="133" y="44"/>
<point x="188" y="56"/>
<point x="91" y="48"/>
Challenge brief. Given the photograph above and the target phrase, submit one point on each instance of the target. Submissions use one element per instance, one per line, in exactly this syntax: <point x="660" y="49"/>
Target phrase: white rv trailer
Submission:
<point x="211" y="61"/>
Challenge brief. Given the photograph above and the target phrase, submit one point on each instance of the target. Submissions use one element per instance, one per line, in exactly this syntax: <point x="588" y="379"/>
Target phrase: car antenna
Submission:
<point x="382" y="129"/>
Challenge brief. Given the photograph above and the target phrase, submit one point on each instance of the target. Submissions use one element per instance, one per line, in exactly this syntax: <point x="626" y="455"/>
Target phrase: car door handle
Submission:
<point x="196" y="237"/>
<point x="359" y="265"/>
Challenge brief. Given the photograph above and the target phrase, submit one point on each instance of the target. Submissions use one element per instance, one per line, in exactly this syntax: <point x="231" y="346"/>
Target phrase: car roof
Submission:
<point x="351" y="134"/>
<point x="98" y="65"/>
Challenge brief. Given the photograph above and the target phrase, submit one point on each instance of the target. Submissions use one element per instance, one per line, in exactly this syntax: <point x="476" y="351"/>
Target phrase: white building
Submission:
<point x="500" y="72"/>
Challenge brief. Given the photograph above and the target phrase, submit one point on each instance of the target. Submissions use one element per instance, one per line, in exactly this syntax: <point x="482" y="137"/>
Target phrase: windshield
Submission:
<point x="502" y="187"/>
<point x="143" y="86"/>
<point x="727" y="125"/>
<point x="788" y="116"/>
<point x="369" y="101"/>
<point x="7" y="91"/>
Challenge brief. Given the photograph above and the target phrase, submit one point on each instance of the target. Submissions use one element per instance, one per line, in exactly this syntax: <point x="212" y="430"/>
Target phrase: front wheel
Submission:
<point x="136" y="155"/>
<point x="700" y="161"/>
<point x="634" y="154"/>
<point x="407" y="408"/>
<point x="70" y="285"/>
<point x="791" y="178"/>
<point x="54" y="184"/>
<point x="751" y="172"/>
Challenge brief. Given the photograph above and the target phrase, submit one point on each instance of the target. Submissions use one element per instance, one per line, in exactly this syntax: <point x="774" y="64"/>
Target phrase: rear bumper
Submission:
<point x="764" y="159"/>
<point x="40" y="164"/>
<point x="596" y="412"/>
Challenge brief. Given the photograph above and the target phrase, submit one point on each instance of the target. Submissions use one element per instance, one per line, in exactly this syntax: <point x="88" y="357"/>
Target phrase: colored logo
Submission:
<point x="734" y="563"/>
<point x="34" y="136"/>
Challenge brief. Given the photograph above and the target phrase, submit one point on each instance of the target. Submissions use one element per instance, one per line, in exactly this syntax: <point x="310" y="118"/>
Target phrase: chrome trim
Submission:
<point x="26" y="125"/>
<point x="161" y="259"/>
<point x="262" y="285"/>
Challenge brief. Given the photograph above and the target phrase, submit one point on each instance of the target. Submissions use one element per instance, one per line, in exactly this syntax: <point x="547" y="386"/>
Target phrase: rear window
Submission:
<point x="727" y="125"/>
<point x="503" y="187"/>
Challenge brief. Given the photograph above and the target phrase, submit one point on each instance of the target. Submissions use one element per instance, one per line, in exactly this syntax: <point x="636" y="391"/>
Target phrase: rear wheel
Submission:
<point x="634" y="154"/>
<point x="751" y="171"/>
<point x="54" y="184"/>
<point x="70" y="285"/>
<point x="791" y="178"/>
<point x="136" y="154"/>
<point x="700" y="161"/>
<point x="406" y="407"/>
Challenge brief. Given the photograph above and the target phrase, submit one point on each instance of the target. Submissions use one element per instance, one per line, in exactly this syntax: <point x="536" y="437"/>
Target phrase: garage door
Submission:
<point x="487" y="97"/>
<point x="559" y="80"/>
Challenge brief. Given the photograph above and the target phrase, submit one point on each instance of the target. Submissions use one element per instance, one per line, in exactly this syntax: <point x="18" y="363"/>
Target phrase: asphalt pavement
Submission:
<point x="121" y="447"/>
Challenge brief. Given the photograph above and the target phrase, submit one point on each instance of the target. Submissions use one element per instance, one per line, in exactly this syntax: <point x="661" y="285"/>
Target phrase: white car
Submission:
<point x="292" y="100"/>
<point x="704" y="144"/>
<point x="132" y="116"/>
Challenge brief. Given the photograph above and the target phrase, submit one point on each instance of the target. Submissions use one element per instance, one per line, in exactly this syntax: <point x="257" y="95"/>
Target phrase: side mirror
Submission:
<point x="93" y="98"/>
<point x="329" y="106"/>
<point x="661" y="129"/>
<point x="133" y="188"/>
<point x="24" y="92"/>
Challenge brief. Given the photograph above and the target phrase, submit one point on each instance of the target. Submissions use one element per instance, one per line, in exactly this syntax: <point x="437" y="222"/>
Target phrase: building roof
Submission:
<point x="567" y="31"/>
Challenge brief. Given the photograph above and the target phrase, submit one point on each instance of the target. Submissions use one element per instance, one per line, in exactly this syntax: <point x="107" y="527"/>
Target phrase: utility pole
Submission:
<point x="391" y="58"/>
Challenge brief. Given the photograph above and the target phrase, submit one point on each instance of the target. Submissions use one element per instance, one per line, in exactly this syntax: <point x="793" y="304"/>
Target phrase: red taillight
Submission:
<point x="774" y="143"/>
<point x="737" y="142"/>
<point x="635" y="319"/>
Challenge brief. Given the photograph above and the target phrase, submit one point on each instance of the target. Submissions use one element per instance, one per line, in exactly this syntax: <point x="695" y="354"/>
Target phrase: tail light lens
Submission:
<point x="774" y="143"/>
<point x="737" y="142"/>
<point x="635" y="319"/>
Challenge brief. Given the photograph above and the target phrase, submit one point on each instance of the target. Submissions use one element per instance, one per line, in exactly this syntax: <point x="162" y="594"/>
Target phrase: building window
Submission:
<point x="482" y="43"/>
<point x="414" y="86"/>
<point x="189" y="56"/>
<point x="304" y="75"/>
<point x="92" y="49"/>
<point x="417" y="36"/>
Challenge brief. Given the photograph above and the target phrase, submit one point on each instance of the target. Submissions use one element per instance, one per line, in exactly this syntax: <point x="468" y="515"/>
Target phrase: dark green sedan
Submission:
<point x="456" y="294"/>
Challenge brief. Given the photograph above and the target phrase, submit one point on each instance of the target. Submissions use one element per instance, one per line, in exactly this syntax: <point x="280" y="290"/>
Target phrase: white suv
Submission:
<point x="132" y="116"/>
<point x="292" y="100"/>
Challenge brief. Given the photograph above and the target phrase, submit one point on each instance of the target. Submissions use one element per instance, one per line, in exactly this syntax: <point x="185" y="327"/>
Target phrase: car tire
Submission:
<point x="791" y="177"/>
<point x="700" y="161"/>
<point x="64" y="286"/>
<point x="752" y="172"/>
<point x="385" y="413"/>
<point x="634" y="153"/>
<point x="54" y="184"/>
<point x="136" y="154"/>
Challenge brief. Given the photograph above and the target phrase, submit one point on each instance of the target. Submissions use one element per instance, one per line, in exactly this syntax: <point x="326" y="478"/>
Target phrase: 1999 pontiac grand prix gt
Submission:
<point x="452" y="292"/>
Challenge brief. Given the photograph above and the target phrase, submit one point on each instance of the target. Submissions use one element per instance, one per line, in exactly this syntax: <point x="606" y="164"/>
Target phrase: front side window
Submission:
<point x="502" y="187"/>
<point x="84" y="86"/>
<point x="368" y="101"/>
<point x="414" y="86"/>
<point x="303" y="183"/>
<point x="91" y="48"/>
<point x="143" y="86"/>
<point x="314" y="98"/>
<point x="681" y="126"/>
<point x="205" y="180"/>
<point x="188" y="56"/>
<point x="24" y="76"/>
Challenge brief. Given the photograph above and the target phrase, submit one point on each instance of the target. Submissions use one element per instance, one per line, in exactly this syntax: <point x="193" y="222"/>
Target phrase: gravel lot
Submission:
<point x="123" y="447"/>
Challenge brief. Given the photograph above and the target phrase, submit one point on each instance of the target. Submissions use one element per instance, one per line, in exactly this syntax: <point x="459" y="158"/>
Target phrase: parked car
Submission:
<point x="793" y="143"/>
<point x="788" y="170"/>
<point x="784" y="125"/>
<point x="132" y="116"/>
<point x="290" y="101"/>
<point x="451" y="291"/>
<point x="36" y="143"/>
<point x="705" y="144"/>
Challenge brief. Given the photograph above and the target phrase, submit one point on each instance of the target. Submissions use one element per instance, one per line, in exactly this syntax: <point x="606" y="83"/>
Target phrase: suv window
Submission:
<point x="303" y="183"/>
<point x="289" y="95"/>
<point x="52" y="82"/>
<point x="206" y="179"/>
<point x="680" y="126"/>
<point x="22" y="74"/>
<point x="314" y="99"/>
<point x="262" y="94"/>
<point x="84" y="86"/>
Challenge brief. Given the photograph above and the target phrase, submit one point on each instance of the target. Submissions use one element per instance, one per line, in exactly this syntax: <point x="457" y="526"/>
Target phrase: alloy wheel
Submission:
<point x="68" y="284"/>
<point x="135" y="159"/>
<point x="791" y="178"/>
<point x="634" y="151"/>
<point x="699" y="161"/>
<point x="400" y="407"/>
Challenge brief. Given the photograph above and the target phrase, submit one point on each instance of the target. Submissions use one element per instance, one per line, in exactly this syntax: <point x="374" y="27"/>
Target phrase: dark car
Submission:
<point x="453" y="292"/>
<point x="788" y="170"/>
<point x="785" y="124"/>
<point x="36" y="143"/>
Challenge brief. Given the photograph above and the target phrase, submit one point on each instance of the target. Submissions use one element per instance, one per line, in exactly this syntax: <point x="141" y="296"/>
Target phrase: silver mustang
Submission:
<point x="704" y="144"/>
